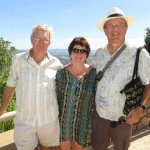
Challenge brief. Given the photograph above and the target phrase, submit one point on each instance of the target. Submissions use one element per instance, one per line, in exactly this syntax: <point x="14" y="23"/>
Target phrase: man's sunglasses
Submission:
<point x="82" y="51"/>
<point x="114" y="124"/>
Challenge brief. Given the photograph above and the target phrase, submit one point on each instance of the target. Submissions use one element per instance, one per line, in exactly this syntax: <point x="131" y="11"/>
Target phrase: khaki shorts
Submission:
<point x="26" y="137"/>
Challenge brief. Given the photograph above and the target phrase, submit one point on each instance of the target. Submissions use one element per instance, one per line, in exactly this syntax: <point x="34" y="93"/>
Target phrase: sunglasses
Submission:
<point x="82" y="51"/>
<point x="114" y="124"/>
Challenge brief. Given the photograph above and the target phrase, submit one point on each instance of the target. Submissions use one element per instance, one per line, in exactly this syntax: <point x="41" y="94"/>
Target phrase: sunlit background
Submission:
<point x="69" y="19"/>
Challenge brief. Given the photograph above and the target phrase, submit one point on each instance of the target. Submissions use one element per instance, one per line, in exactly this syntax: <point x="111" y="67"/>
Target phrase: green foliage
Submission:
<point x="6" y="54"/>
<point x="147" y="40"/>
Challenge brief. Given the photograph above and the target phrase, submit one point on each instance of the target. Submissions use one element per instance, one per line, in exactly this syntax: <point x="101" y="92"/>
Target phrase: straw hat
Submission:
<point x="115" y="13"/>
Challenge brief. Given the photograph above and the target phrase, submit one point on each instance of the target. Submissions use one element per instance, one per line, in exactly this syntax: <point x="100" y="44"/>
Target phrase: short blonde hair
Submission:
<point x="42" y="27"/>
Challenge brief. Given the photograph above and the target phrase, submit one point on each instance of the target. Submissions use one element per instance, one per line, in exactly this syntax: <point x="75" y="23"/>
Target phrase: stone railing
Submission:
<point x="7" y="116"/>
<point x="144" y="121"/>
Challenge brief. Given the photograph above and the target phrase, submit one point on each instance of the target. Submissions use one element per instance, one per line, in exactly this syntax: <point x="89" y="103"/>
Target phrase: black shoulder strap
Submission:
<point x="135" y="72"/>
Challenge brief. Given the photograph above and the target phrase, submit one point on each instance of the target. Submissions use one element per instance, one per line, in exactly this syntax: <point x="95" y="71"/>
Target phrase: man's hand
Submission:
<point x="134" y="115"/>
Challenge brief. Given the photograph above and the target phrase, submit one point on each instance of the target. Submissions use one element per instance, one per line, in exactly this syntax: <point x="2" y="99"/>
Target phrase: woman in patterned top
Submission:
<point x="75" y="94"/>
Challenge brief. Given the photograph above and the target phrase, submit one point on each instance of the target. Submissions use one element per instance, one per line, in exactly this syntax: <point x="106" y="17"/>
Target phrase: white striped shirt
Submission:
<point x="36" y="101"/>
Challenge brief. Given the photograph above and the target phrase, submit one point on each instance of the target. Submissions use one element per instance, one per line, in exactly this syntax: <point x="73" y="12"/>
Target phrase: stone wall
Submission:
<point x="143" y="122"/>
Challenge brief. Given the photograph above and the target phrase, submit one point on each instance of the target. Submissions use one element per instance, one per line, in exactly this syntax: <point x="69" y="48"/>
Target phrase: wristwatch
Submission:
<point x="144" y="108"/>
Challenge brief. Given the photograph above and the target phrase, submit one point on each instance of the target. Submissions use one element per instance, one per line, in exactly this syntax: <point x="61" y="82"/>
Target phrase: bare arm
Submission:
<point x="135" y="114"/>
<point x="146" y="96"/>
<point x="8" y="93"/>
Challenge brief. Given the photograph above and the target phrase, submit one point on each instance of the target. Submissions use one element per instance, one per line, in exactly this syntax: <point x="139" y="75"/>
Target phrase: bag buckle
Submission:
<point x="99" y="76"/>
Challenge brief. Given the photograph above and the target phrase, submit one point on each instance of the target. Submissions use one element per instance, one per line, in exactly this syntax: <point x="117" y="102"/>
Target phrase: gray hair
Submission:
<point x="42" y="27"/>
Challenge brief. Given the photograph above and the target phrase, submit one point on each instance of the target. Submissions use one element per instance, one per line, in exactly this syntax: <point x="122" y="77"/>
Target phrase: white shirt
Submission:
<point x="109" y="101"/>
<point x="36" y="101"/>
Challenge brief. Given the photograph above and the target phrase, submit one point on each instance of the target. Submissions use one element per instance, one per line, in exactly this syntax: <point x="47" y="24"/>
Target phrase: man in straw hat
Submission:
<point x="109" y="101"/>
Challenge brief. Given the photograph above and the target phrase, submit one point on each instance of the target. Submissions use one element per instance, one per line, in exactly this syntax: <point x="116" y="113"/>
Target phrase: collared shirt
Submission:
<point x="109" y="101"/>
<point x="36" y="101"/>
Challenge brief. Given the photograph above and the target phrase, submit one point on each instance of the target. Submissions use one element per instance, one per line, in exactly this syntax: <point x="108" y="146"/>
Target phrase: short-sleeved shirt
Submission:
<point x="36" y="101"/>
<point x="109" y="101"/>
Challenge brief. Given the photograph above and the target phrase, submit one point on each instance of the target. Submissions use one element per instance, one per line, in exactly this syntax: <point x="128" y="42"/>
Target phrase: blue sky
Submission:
<point x="69" y="19"/>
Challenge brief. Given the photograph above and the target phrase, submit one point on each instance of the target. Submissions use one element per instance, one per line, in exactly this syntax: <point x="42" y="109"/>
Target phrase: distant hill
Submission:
<point x="65" y="51"/>
<point x="62" y="55"/>
<point x="58" y="51"/>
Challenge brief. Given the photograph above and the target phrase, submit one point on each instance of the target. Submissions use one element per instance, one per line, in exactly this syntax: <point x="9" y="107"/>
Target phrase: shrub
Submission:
<point x="6" y="54"/>
<point x="147" y="40"/>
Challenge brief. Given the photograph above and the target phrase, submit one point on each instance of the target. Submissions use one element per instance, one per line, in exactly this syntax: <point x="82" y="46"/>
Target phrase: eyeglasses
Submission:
<point x="82" y="51"/>
<point x="114" y="124"/>
<point x="41" y="39"/>
<point x="112" y="26"/>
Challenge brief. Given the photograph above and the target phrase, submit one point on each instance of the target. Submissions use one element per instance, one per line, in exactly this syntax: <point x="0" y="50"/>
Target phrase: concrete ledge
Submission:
<point x="7" y="141"/>
<point x="11" y="146"/>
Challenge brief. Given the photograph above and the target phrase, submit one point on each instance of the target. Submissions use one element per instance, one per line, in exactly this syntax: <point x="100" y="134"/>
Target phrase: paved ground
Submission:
<point x="140" y="140"/>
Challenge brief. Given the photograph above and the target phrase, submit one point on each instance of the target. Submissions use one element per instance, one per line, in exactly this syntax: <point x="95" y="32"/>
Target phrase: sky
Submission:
<point x="69" y="19"/>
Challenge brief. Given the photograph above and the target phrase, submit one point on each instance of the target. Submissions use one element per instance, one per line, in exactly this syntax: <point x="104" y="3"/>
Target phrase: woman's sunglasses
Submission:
<point x="82" y="51"/>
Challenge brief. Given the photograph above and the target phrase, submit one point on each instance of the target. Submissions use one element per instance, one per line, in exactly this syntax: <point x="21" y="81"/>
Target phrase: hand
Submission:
<point x="134" y="115"/>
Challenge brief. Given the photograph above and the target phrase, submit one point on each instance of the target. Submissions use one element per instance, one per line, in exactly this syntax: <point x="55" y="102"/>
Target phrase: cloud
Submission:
<point x="67" y="40"/>
<point x="95" y="39"/>
<point x="101" y="42"/>
<point x="136" y="42"/>
<point x="22" y="43"/>
<point x="96" y="43"/>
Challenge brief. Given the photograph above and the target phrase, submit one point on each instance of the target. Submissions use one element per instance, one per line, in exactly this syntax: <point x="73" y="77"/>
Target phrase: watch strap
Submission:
<point x="144" y="108"/>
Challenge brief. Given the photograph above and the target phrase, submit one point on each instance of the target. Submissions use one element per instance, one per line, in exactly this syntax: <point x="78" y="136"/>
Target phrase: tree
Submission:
<point x="147" y="40"/>
<point x="6" y="54"/>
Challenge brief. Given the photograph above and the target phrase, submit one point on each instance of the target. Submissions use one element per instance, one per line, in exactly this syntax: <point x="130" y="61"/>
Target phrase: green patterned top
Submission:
<point x="75" y="99"/>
